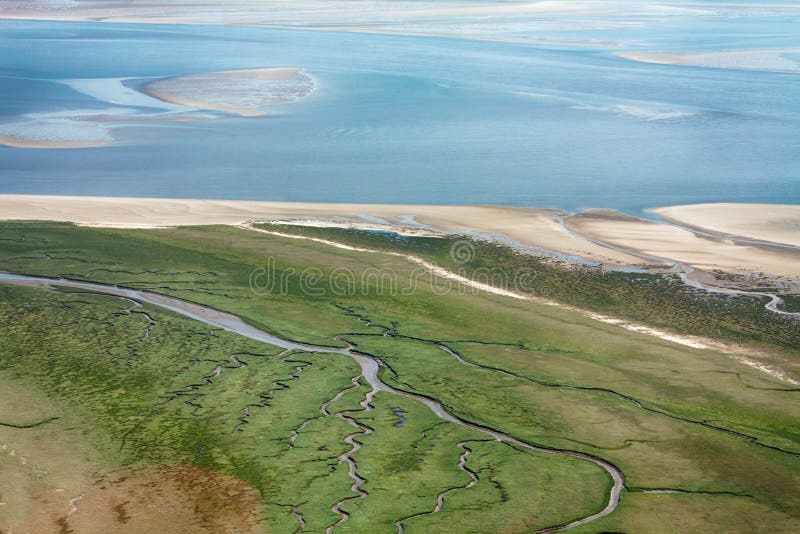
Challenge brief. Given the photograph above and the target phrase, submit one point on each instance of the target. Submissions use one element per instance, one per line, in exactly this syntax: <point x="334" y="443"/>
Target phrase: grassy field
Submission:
<point x="791" y="303"/>
<point x="146" y="398"/>
<point x="654" y="299"/>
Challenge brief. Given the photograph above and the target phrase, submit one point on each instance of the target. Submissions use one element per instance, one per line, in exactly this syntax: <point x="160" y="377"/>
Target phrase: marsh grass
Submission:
<point x="112" y="378"/>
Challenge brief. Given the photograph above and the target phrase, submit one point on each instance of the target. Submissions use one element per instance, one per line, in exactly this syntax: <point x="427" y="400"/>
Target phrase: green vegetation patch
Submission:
<point x="136" y="387"/>
<point x="655" y="299"/>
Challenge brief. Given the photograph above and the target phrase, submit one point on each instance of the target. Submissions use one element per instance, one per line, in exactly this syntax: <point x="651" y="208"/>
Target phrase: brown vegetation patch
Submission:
<point x="180" y="498"/>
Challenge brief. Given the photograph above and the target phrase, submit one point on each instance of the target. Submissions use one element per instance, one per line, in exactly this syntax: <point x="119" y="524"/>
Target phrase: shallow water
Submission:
<point x="409" y="119"/>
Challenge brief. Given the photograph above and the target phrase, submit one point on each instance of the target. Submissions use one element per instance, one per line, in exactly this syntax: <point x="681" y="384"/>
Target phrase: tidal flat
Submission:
<point x="388" y="266"/>
<point x="150" y="398"/>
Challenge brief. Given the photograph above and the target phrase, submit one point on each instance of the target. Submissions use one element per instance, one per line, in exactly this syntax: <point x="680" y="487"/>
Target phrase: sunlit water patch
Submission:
<point x="405" y="119"/>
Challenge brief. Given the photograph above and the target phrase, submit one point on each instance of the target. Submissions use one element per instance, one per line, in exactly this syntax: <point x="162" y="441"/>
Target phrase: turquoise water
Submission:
<point x="418" y="119"/>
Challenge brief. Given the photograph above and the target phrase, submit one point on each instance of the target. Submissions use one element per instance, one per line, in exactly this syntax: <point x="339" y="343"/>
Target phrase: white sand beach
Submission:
<point x="778" y="223"/>
<point x="526" y="226"/>
<point x="584" y="235"/>
<point x="666" y="241"/>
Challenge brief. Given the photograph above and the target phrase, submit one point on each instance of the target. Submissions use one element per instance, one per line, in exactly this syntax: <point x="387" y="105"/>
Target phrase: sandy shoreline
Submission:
<point x="317" y="14"/>
<point x="768" y="60"/>
<point x="531" y="22"/>
<point x="242" y="92"/>
<point x="606" y="237"/>
<point x="526" y="226"/>
<point x="19" y="142"/>
<point x="198" y="104"/>
<point x="778" y="223"/>
<point x="664" y="241"/>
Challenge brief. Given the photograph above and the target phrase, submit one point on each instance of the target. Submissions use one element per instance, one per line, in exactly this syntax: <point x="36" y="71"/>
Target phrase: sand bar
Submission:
<point x="321" y="13"/>
<point x="630" y="238"/>
<point x="515" y="21"/>
<point x="667" y="241"/>
<point x="528" y="226"/>
<point x="770" y="60"/>
<point x="235" y="91"/>
<point x="778" y="223"/>
<point x="19" y="142"/>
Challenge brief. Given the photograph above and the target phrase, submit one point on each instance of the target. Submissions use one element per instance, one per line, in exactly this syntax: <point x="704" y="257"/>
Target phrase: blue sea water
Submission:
<point x="408" y="119"/>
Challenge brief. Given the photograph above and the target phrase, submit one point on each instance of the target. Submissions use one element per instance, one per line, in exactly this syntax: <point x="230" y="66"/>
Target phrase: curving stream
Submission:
<point x="369" y="367"/>
<point x="743" y="355"/>
<point x="687" y="270"/>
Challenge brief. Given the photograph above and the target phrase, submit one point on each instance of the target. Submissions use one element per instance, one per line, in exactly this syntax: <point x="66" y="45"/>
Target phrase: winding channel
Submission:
<point x="686" y="271"/>
<point x="369" y="367"/>
<point x="742" y="354"/>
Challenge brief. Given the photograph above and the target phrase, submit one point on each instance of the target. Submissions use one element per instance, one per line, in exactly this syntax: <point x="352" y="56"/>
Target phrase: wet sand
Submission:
<point x="663" y="241"/>
<point x="236" y="91"/>
<point x="533" y="227"/>
<point x="318" y="14"/>
<point x="199" y="104"/>
<point x="778" y="223"/>
<point x="462" y="19"/>
<point x="606" y="237"/>
<point x="770" y="60"/>
<point x="19" y="142"/>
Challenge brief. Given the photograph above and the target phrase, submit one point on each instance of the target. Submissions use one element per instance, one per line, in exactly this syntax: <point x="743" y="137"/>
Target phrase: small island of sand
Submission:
<point x="21" y="142"/>
<point x="235" y="91"/>
<point x="770" y="60"/>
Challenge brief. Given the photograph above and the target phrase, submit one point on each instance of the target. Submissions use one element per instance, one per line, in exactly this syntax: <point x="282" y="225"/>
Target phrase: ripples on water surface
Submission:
<point x="411" y="119"/>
